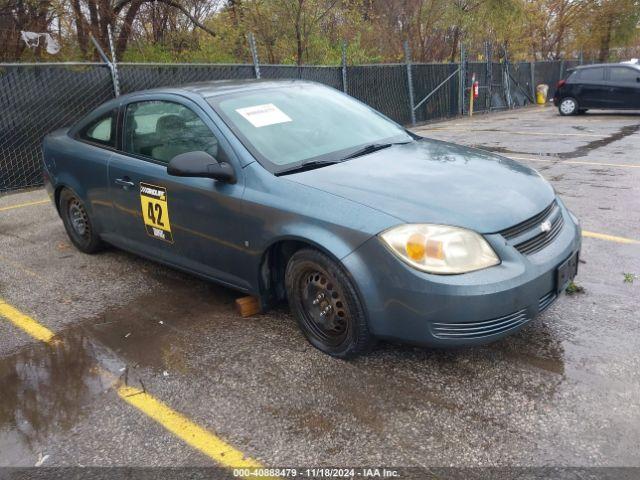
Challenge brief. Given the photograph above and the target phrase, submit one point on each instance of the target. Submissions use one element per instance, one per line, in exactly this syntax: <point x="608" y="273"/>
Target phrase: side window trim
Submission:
<point x="119" y="131"/>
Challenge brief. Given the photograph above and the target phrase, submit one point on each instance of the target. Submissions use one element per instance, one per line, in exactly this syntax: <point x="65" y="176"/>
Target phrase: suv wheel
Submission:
<point x="568" y="106"/>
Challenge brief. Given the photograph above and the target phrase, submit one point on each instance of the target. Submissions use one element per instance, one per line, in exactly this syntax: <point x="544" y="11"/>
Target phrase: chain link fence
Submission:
<point x="36" y="99"/>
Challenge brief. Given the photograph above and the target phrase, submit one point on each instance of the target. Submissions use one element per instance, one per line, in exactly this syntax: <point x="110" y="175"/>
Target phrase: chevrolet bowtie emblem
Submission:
<point x="545" y="226"/>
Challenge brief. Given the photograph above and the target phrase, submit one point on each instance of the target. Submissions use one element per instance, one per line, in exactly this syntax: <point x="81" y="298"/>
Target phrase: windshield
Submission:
<point x="302" y="123"/>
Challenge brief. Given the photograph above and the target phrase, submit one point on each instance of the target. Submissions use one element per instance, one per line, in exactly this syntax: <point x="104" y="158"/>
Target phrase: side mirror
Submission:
<point x="201" y="164"/>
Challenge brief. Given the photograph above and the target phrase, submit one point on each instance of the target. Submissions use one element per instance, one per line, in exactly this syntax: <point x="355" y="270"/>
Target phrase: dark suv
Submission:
<point x="610" y="86"/>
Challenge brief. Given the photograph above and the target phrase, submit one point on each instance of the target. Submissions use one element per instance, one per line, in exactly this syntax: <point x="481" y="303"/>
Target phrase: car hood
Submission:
<point x="429" y="181"/>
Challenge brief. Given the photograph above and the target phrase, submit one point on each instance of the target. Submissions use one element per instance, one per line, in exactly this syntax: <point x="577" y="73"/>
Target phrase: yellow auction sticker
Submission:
<point x="155" y="211"/>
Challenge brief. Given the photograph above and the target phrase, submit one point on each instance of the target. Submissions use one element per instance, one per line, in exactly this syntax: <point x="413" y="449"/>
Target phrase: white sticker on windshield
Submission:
<point x="263" y="115"/>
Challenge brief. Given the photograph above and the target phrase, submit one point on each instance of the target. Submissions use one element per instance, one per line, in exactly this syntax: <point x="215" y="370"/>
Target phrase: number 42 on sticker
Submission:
<point x="155" y="211"/>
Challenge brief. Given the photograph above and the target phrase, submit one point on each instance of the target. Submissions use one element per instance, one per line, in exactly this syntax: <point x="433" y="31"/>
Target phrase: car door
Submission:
<point x="624" y="87"/>
<point x="591" y="91"/>
<point x="193" y="223"/>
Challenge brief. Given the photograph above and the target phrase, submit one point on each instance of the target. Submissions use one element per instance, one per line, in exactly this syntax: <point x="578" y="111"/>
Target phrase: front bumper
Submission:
<point x="448" y="310"/>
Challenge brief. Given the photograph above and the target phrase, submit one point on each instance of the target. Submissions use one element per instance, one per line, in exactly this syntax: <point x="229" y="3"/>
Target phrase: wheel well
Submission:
<point x="57" y="196"/>
<point x="273" y="267"/>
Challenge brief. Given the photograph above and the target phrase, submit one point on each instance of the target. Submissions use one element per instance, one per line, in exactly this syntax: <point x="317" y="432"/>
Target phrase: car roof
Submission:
<point x="583" y="67"/>
<point x="222" y="87"/>
<point x="204" y="89"/>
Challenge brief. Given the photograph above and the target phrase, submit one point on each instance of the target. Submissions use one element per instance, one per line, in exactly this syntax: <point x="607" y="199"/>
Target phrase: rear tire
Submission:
<point x="326" y="305"/>
<point x="77" y="223"/>
<point x="568" y="106"/>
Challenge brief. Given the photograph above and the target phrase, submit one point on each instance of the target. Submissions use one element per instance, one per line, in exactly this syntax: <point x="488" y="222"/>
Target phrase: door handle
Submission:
<point x="125" y="182"/>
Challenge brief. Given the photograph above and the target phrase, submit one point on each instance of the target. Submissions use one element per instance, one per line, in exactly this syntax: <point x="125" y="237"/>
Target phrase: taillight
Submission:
<point x="561" y="83"/>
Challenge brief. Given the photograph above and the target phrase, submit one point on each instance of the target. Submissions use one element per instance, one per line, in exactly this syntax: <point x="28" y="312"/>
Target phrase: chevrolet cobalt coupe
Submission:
<point x="290" y="190"/>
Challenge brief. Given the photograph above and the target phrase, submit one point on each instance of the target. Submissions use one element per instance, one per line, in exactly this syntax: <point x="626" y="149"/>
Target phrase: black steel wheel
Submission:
<point x="326" y="305"/>
<point x="77" y="223"/>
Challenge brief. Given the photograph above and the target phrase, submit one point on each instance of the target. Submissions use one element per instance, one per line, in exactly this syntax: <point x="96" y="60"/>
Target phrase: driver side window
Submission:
<point x="161" y="130"/>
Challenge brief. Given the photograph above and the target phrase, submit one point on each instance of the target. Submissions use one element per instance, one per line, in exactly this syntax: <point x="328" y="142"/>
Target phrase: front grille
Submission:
<point x="545" y="301"/>
<point x="540" y="240"/>
<point x="533" y="222"/>
<point x="480" y="329"/>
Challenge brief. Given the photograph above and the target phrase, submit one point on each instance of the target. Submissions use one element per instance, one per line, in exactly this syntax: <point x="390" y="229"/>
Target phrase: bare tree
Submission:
<point x="95" y="16"/>
<point x="22" y="15"/>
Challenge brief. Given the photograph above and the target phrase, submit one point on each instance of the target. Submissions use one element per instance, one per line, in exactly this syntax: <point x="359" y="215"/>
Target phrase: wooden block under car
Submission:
<point x="247" y="306"/>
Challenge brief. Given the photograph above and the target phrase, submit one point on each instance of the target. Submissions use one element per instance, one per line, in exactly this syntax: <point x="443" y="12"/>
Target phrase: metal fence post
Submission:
<point x="114" y="64"/>
<point x="462" y="78"/>
<point x="507" y="78"/>
<point x="561" y="69"/>
<point x="488" y="75"/>
<point x="254" y="54"/>
<point x="344" y="66"/>
<point x="407" y="61"/>
<point x="109" y="63"/>
<point x="581" y="57"/>
<point x="532" y="72"/>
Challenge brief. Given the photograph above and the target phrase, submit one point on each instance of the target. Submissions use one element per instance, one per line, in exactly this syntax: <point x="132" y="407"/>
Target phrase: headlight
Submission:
<point x="439" y="248"/>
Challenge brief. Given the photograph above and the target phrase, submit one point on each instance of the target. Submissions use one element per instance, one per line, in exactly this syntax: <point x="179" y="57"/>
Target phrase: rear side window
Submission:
<point x="591" y="74"/>
<point x="623" y="75"/>
<point x="101" y="131"/>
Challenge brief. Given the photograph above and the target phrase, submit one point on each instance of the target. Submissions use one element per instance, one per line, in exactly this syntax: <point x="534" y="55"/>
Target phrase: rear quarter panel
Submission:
<point x="82" y="168"/>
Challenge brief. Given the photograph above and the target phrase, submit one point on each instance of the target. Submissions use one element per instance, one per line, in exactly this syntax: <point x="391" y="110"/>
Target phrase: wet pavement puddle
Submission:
<point x="577" y="152"/>
<point x="46" y="387"/>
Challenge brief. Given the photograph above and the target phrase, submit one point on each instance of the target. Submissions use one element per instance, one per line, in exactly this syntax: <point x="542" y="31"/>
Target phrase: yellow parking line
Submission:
<point x="611" y="238"/>
<point x="25" y="322"/>
<point x="576" y="162"/>
<point x="20" y="205"/>
<point x="183" y="428"/>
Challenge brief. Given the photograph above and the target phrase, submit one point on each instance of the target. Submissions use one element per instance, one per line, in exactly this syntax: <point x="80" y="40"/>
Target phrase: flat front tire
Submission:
<point x="568" y="106"/>
<point x="77" y="223"/>
<point x="326" y="306"/>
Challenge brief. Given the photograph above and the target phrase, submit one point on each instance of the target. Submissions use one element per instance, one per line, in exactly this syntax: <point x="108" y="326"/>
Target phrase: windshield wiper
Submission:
<point x="306" y="166"/>
<point x="372" y="147"/>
